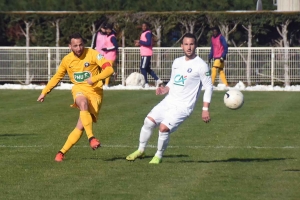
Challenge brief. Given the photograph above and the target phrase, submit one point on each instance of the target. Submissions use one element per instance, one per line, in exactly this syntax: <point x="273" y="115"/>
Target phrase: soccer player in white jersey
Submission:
<point x="189" y="74"/>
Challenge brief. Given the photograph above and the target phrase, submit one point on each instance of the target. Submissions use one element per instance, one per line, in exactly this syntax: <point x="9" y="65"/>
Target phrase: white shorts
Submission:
<point x="170" y="115"/>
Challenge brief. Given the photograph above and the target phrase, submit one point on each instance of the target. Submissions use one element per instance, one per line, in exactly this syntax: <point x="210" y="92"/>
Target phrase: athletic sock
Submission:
<point x="145" y="134"/>
<point x="163" y="141"/>
<point x="87" y="123"/>
<point x="213" y="74"/>
<point x="72" y="139"/>
<point x="223" y="77"/>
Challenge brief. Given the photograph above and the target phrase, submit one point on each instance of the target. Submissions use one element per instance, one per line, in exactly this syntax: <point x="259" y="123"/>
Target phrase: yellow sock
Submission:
<point x="213" y="74"/>
<point x="87" y="123"/>
<point x="72" y="139"/>
<point x="223" y="77"/>
<point x="107" y="80"/>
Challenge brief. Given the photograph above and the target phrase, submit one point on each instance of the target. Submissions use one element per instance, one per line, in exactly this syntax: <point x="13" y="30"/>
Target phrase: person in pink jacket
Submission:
<point x="146" y="51"/>
<point x="110" y="48"/>
<point x="99" y="38"/>
<point x="218" y="52"/>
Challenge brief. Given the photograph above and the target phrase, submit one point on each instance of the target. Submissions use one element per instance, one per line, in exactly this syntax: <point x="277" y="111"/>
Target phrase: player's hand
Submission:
<point x="162" y="90"/>
<point x="205" y="116"/>
<point x="136" y="43"/>
<point x="41" y="98"/>
<point x="89" y="81"/>
<point x="222" y="59"/>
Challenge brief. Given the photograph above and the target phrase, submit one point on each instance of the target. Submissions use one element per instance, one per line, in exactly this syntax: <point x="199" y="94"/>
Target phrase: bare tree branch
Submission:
<point x="279" y="31"/>
<point x="245" y="28"/>
<point x="234" y="28"/>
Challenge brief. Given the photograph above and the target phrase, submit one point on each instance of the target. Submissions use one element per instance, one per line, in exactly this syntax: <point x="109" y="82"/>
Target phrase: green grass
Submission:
<point x="251" y="153"/>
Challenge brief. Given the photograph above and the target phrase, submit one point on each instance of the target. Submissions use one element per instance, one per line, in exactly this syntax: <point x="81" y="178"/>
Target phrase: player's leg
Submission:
<point x="151" y="121"/>
<point x="151" y="72"/>
<point x="145" y="134"/>
<point x="87" y="120"/>
<point x="214" y="71"/>
<point x="222" y="75"/>
<point x="143" y="69"/>
<point x="73" y="138"/>
<point x="106" y="82"/>
<point x="174" y="117"/>
<point x="162" y="143"/>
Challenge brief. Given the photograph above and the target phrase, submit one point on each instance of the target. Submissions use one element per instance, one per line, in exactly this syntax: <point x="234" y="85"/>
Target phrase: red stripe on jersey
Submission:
<point x="107" y="64"/>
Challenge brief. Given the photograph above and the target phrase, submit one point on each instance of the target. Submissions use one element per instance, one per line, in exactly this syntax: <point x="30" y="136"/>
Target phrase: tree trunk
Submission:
<point x="158" y="43"/>
<point x="123" y="38"/>
<point x="248" y="65"/>
<point x="284" y="34"/>
<point x="57" y="44"/>
<point x="26" y="33"/>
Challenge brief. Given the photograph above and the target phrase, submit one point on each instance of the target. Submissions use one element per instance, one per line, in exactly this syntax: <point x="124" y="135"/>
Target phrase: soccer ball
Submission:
<point x="233" y="99"/>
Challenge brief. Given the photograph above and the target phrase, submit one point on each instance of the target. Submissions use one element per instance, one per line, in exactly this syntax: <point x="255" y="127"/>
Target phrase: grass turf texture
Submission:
<point x="251" y="153"/>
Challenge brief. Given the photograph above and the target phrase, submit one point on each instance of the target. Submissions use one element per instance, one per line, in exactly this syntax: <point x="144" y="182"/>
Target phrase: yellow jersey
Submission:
<point x="90" y="64"/>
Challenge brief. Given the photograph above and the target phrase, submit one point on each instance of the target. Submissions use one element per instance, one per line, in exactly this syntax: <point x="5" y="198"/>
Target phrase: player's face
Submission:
<point x="188" y="45"/>
<point x="215" y="33"/>
<point x="77" y="46"/>
<point x="144" y="27"/>
<point x="108" y="31"/>
<point x="103" y="30"/>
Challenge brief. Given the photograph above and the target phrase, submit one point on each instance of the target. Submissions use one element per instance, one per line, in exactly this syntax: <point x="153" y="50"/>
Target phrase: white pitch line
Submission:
<point x="153" y="146"/>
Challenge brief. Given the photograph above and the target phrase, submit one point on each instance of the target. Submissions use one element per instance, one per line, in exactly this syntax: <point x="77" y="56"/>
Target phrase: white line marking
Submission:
<point x="153" y="146"/>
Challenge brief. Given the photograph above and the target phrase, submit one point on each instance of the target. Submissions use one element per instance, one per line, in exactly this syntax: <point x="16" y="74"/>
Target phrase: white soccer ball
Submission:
<point x="233" y="99"/>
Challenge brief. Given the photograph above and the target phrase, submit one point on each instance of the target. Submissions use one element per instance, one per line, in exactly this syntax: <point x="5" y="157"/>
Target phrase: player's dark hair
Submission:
<point x="76" y="36"/>
<point x="147" y="24"/>
<point x="216" y="28"/>
<point x="188" y="35"/>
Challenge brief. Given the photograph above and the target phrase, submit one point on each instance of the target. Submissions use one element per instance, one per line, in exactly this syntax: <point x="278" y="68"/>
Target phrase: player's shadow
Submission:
<point x="236" y="160"/>
<point x="146" y="157"/>
<point x="16" y="135"/>
<point x="292" y="170"/>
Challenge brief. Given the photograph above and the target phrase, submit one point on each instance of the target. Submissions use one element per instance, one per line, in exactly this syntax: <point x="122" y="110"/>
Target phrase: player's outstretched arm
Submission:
<point x="162" y="90"/>
<point x="41" y="98"/>
<point x="205" y="112"/>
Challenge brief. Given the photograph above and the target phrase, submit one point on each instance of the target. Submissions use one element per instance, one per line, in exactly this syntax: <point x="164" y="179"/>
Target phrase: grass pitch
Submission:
<point x="251" y="153"/>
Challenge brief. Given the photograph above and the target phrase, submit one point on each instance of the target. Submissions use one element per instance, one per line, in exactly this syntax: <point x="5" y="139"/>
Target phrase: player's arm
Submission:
<point x="225" y="46"/>
<point x="54" y="81"/>
<point x="94" y="39"/>
<point x="207" y="85"/>
<point x="107" y="70"/>
<point x="148" y="41"/>
<point x="115" y="45"/>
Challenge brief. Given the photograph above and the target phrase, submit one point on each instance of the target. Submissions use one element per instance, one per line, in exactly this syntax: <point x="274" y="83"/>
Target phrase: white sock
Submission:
<point x="146" y="133"/>
<point x="163" y="141"/>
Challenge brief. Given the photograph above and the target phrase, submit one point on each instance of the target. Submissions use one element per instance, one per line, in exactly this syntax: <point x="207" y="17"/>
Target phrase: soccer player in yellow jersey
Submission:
<point x="86" y="68"/>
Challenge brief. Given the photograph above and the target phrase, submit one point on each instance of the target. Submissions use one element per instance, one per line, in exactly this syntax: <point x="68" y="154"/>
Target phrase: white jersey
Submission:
<point x="187" y="79"/>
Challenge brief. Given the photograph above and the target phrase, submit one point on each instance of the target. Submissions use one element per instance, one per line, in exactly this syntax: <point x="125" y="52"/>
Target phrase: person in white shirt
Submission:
<point x="189" y="74"/>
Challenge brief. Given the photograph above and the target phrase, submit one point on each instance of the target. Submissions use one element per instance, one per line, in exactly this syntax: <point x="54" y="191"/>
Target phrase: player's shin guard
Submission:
<point x="87" y="123"/>
<point x="72" y="139"/>
<point x="146" y="133"/>
<point x="163" y="141"/>
<point x="213" y="74"/>
<point x="223" y="77"/>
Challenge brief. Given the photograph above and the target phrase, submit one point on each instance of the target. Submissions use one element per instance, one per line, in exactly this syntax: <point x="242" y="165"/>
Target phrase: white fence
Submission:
<point x="250" y="65"/>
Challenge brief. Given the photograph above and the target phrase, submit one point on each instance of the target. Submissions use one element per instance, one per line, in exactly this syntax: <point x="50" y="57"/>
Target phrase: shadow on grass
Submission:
<point x="15" y="135"/>
<point x="292" y="170"/>
<point x="166" y="156"/>
<point x="236" y="160"/>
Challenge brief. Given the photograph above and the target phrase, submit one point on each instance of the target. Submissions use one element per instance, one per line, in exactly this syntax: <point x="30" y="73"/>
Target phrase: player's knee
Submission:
<point x="149" y="123"/>
<point x="83" y="104"/>
<point x="163" y="128"/>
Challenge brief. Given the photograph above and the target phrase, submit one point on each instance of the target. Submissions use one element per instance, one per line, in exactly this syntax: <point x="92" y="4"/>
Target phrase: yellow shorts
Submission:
<point x="94" y="100"/>
<point x="218" y="63"/>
